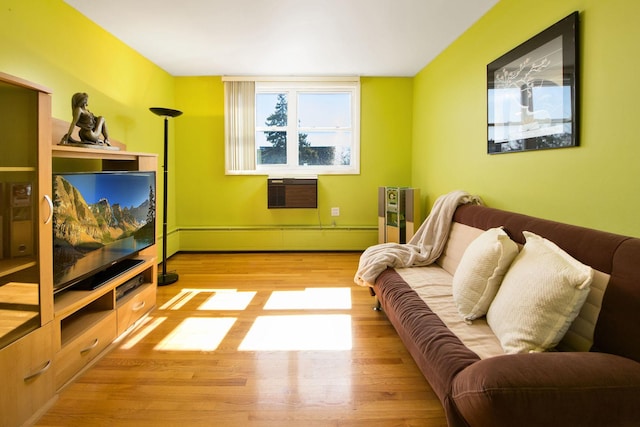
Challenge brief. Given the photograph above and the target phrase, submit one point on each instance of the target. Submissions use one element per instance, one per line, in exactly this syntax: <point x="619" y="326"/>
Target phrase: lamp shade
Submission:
<point x="167" y="112"/>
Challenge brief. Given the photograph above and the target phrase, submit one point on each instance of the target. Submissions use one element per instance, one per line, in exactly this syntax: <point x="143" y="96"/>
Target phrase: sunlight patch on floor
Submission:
<point x="227" y="300"/>
<point x="310" y="298"/>
<point x="306" y="332"/>
<point x="330" y="332"/>
<point x="197" y="334"/>
<point x="222" y="299"/>
<point x="178" y="301"/>
<point x="144" y="329"/>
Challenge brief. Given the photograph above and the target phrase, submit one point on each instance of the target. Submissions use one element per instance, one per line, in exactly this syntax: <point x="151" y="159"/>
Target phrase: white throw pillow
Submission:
<point x="480" y="272"/>
<point x="541" y="294"/>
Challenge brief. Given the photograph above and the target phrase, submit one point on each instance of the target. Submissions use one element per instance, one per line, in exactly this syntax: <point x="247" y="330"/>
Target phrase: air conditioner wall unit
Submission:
<point x="292" y="193"/>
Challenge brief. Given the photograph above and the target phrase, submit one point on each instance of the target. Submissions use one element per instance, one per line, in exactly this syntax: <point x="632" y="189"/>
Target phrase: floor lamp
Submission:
<point x="165" y="278"/>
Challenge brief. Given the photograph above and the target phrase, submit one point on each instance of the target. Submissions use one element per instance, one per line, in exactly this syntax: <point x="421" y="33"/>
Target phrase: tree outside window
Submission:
<point x="277" y="152"/>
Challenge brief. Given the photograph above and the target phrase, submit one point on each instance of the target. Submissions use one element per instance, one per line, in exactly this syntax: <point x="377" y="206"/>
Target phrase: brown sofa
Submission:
<point x="597" y="386"/>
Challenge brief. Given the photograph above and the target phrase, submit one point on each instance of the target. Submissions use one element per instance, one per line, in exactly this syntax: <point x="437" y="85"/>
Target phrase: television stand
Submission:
<point x="110" y="273"/>
<point x="87" y="322"/>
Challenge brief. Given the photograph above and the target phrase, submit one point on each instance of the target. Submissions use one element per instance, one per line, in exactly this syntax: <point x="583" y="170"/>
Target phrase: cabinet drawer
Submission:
<point x="133" y="306"/>
<point x="78" y="352"/>
<point x="27" y="380"/>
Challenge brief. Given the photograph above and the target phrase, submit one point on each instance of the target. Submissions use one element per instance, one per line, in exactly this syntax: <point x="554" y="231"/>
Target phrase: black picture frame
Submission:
<point x="532" y="92"/>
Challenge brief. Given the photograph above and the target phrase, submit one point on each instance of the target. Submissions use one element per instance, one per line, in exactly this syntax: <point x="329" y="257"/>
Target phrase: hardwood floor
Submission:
<point x="255" y="339"/>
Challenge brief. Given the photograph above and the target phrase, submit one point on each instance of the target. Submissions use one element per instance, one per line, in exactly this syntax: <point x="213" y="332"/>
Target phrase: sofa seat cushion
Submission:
<point x="439" y="354"/>
<point x="434" y="286"/>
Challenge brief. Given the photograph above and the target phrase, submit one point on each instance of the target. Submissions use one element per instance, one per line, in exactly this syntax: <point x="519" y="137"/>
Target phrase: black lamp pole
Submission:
<point x="165" y="278"/>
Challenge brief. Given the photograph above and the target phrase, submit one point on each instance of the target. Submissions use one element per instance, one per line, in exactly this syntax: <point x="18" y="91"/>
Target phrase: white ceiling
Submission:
<point x="286" y="37"/>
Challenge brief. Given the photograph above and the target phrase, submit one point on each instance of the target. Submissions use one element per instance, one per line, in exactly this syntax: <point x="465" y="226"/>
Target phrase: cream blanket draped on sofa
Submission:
<point x="423" y="248"/>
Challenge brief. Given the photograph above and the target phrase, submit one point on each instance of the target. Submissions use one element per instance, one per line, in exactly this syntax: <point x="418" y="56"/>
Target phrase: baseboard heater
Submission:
<point x="292" y="193"/>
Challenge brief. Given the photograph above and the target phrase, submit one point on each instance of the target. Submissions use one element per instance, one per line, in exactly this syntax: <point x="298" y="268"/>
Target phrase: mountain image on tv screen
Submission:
<point x="98" y="219"/>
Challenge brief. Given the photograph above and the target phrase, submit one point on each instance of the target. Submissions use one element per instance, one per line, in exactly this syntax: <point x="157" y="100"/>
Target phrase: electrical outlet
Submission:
<point x="335" y="211"/>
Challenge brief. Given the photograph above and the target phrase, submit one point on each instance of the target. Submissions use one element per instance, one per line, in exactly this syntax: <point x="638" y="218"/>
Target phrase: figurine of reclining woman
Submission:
<point x="92" y="128"/>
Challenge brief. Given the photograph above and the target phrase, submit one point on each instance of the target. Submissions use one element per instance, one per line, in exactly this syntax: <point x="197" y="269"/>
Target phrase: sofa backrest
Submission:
<point x="614" y="256"/>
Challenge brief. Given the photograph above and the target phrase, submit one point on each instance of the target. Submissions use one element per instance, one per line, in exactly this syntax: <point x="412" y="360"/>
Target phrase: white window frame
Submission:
<point x="293" y="86"/>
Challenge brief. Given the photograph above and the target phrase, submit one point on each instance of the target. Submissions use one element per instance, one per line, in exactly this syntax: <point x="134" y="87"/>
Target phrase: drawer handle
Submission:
<point x="39" y="372"/>
<point x="139" y="306"/>
<point x="93" y="345"/>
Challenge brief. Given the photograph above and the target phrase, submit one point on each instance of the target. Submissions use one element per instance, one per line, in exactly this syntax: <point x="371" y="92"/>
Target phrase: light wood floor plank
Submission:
<point x="149" y="380"/>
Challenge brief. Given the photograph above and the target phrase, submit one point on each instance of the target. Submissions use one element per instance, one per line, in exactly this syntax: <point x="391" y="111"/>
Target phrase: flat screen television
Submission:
<point x="100" y="220"/>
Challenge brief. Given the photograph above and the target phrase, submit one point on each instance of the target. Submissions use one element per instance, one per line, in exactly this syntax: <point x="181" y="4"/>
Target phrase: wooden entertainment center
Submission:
<point x="46" y="339"/>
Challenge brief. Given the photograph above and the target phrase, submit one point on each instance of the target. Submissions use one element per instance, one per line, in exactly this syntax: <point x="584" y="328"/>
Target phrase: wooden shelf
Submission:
<point x="14" y="323"/>
<point x="13" y="265"/>
<point x="75" y="326"/>
<point x="72" y="152"/>
<point x="67" y="302"/>
<point x="26" y="294"/>
<point x="17" y="169"/>
<point x="20" y="82"/>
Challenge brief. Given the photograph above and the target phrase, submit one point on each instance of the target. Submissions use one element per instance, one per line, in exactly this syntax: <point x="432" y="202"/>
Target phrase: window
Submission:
<point x="298" y="127"/>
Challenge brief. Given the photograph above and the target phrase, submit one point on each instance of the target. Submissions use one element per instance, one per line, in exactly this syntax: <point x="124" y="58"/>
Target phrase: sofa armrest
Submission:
<point x="568" y="389"/>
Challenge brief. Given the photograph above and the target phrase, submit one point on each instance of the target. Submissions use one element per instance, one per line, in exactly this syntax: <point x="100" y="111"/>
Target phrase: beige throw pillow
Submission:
<point x="480" y="272"/>
<point x="541" y="294"/>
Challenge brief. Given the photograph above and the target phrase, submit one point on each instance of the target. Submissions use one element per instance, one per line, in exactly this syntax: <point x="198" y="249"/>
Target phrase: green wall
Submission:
<point x="594" y="185"/>
<point x="428" y="132"/>
<point x="51" y="44"/>
<point x="229" y="212"/>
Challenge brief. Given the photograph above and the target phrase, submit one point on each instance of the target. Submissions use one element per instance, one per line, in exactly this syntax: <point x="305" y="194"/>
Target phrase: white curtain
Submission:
<point x="239" y="110"/>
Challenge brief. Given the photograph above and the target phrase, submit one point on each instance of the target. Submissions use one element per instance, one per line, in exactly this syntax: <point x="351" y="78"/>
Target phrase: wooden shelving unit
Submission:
<point x="45" y="339"/>
<point x="87" y="322"/>
<point x="26" y="293"/>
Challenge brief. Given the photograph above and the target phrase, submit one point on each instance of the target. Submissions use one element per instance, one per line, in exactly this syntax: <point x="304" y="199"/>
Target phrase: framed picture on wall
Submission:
<point x="532" y="92"/>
